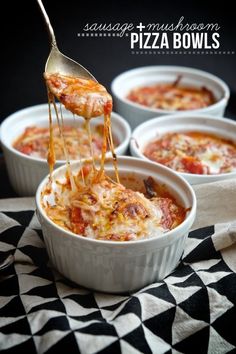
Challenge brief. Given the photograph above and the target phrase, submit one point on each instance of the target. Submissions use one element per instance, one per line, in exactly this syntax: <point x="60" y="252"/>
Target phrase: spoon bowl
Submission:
<point x="58" y="62"/>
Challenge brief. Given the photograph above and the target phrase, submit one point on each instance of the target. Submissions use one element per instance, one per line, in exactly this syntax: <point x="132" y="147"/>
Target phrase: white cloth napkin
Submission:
<point x="216" y="203"/>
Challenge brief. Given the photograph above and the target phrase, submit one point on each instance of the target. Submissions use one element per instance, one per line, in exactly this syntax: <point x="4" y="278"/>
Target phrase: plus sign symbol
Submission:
<point x="140" y="26"/>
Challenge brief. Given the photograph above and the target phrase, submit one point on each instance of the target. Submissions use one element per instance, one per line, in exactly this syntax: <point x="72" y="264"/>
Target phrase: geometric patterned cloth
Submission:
<point x="193" y="310"/>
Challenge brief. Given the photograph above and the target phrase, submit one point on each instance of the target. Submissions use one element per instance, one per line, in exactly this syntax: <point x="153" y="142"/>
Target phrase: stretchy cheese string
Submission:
<point x="87" y="126"/>
<point x="51" y="152"/>
<point x="104" y="148"/>
<point x="80" y="161"/>
<point x="60" y="126"/>
<point x="114" y="158"/>
<point x="107" y="140"/>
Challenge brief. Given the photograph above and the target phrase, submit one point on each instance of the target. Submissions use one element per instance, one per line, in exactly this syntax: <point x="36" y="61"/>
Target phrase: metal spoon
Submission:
<point x="58" y="62"/>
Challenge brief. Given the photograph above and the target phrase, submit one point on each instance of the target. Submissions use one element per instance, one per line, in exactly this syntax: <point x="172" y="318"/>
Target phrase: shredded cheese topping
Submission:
<point x="172" y="97"/>
<point x="106" y="210"/>
<point x="34" y="141"/>
<point x="83" y="97"/>
<point x="193" y="152"/>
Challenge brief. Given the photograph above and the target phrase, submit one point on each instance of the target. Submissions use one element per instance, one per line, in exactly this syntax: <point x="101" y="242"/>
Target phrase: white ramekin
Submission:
<point x="154" y="128"/>
<point x="111" y="266"/>
<point x="26" y="172"/>
<point x="136" y="114"/>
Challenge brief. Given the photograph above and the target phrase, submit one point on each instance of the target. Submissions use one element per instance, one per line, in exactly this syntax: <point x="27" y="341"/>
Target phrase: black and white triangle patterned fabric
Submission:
<point x="192" y="311"/>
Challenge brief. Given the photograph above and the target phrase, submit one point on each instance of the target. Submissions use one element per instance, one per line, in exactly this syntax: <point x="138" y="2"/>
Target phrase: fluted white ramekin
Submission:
<point x="112" y="266"/>
<point x="149" y="75"/>
<point x="156" y="127"/>
<point x="26" y="172"/>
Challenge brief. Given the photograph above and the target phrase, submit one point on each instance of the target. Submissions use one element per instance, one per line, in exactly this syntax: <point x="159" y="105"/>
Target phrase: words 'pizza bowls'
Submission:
<point x="150" y="75"/>
<point x="26" y="172"/>
<point x="113" y="266"/>
<point x="155" y="128"/>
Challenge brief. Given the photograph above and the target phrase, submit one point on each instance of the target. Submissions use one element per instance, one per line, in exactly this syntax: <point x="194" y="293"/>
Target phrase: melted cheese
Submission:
<point x="34" y="141"/>
<point x="194" y="152"/>
<point x="82" y="97"/>
<point x="172" y="97"/>
<point x="109" y="211"/>
<point x="86" y="98"/>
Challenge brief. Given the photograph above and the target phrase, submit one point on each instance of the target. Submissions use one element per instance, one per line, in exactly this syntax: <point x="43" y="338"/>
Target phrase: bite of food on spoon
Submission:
<point x="73" y="85"/>
<point x="81" y="96"/>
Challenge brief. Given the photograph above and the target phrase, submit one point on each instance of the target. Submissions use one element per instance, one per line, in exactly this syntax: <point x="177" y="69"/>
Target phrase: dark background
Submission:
<point x="25" y="45"/>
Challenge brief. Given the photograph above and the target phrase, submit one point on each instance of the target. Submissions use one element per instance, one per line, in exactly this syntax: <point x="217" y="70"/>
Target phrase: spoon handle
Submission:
<point x="48" y="23"/>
